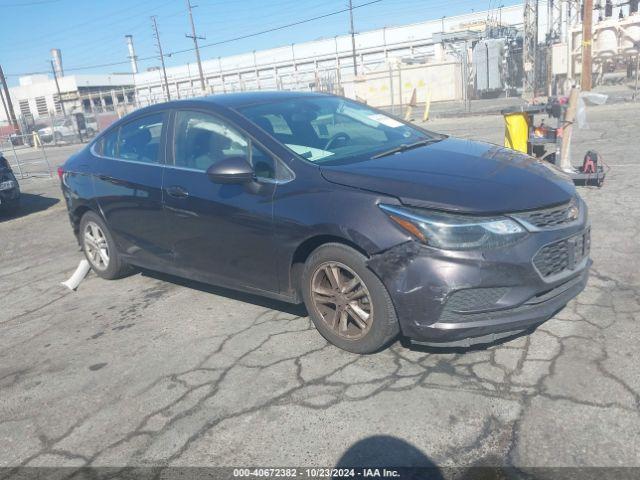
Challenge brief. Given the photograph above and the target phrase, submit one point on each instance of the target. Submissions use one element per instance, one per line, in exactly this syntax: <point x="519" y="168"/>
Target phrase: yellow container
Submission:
<point x="516" y="130"/>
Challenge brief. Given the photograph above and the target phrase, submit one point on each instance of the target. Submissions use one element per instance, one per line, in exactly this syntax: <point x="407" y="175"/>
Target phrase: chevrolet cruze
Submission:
<point x="380" y="227"/>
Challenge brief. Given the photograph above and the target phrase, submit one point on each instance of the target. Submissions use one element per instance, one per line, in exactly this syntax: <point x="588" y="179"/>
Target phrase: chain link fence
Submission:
<point x="27" y="155"/>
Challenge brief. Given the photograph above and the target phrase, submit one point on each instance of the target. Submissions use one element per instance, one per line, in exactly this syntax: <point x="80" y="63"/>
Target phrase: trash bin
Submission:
<point x="516" y="130"/>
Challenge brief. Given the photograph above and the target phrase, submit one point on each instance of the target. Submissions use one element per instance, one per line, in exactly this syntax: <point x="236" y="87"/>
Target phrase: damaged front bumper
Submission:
<point x="461" y="298"/>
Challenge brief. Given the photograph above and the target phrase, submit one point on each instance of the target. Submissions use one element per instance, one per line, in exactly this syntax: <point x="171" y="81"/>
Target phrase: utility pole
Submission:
<point x="4" y="104"/>
<point x="12" y="114"/>
<point x="353" y="40"/>
<point x="55" y="77"/>
<point x="195" y="42"/>
<point x="159" y="45"/>
<point x="587" y="24"/>
<point x="529" y="48"/>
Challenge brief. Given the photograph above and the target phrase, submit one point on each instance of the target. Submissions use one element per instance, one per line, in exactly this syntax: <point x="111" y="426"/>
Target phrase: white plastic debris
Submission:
<point x="594" y="98"/>
<point x="581" y="114"/>
<point x="78" y="275"/>
<point x="585" y="98"/>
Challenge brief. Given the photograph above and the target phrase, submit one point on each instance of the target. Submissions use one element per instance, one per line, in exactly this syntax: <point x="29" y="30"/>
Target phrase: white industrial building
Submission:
<point x="36" y="96"/>
<point x="327" y="62"/>
<point x="431" y="58"/>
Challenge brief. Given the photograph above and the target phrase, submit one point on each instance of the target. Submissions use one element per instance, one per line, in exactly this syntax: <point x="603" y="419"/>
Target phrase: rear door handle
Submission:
<point x="176" y="191"/>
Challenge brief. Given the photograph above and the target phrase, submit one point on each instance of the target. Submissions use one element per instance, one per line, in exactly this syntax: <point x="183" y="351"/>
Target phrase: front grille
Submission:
<point x="563" y="255"/>
<point x="551" y="217"/>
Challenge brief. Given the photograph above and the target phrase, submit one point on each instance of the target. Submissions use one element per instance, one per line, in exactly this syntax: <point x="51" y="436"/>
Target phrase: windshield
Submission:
<point x="332" y="130"/>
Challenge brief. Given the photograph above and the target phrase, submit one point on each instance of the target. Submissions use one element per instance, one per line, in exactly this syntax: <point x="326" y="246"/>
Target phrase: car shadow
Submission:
<point x="386" y="456"/>
<point x="29" y="204"/>
<point x="298" y="310"/>
<point x="386" y="451"/>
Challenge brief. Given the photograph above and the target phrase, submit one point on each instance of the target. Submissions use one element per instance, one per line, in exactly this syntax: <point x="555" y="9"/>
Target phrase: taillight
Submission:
<point x="60" y="172"/>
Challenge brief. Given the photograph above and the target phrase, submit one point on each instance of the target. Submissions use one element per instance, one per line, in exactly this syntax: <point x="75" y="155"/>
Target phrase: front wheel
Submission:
<point x="99" y="247"/>
<point x="347" y="302"/>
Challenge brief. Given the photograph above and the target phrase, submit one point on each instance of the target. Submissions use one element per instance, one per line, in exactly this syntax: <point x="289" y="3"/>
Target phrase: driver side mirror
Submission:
<point x="231" y="170"/>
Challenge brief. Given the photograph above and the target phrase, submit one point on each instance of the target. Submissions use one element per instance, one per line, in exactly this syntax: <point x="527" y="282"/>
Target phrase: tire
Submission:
<point x="371" y="322"/>
<point x="57" y="137"/>
<point x="114" y="267"/>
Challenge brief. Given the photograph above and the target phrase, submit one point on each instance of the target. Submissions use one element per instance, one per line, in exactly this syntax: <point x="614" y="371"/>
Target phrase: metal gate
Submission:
<point x="26" y="155"/>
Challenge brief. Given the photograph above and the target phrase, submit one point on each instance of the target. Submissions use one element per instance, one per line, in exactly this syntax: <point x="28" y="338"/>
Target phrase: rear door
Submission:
<point x="129" y="187"/>
<point x="219" y="233"/>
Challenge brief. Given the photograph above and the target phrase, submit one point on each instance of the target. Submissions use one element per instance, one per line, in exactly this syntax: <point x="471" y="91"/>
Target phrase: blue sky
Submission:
<point x="92" y="32"/>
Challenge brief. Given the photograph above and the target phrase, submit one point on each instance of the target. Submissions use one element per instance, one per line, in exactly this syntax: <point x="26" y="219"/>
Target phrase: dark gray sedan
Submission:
<point x="380" y="227"/>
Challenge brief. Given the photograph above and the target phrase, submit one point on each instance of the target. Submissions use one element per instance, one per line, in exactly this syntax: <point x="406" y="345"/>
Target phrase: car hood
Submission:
<point x="459" y="175"/>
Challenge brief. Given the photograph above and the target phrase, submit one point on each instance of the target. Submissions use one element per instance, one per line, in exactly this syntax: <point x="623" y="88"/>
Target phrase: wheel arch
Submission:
<point x="78" y="212"/>
<point x="305" y="249"/>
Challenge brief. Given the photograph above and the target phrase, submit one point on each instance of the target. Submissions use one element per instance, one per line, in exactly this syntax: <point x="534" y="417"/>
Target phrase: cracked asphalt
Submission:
<point x="153" y="370"/>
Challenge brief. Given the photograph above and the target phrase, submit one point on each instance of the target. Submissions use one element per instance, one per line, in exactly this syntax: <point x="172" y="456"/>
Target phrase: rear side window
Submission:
<point x="139" y="140"/>
<point x="107" y="144"/>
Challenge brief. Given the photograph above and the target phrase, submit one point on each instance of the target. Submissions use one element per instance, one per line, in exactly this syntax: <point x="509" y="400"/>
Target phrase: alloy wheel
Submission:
<point x="342" y="299"/>
<point x="96" y="246"/>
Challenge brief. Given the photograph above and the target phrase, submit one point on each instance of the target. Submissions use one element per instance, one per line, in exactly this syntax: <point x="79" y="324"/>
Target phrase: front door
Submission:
<point x="219" y="233"/>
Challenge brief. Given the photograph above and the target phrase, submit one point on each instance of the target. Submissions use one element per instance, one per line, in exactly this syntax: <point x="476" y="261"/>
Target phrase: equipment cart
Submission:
<point x="545" y="141"/>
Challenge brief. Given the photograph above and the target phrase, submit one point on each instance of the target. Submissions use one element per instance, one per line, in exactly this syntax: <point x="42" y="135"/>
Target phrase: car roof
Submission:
<point x="236" y="100"/>
<point x="222" y="101"/>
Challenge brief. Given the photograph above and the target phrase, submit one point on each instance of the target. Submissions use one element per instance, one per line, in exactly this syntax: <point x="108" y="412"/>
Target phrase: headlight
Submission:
<point x="456" y="232"/>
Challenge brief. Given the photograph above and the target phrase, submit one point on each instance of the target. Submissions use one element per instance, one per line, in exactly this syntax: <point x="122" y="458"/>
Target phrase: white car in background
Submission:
<point x="66" y="128"/>
<point x="92" y="125"/>
<point x="62" y="128"/>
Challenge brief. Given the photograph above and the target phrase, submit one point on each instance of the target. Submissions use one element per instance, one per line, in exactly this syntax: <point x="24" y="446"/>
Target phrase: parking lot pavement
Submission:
<point x="155" y="370"/>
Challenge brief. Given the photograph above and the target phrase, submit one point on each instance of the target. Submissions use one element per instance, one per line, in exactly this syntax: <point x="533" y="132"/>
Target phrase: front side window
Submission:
<point x="202" y="139"/>
<point x="138" y="140"/>
<point x="332" y="130"/>
<point x="263" y="164"/>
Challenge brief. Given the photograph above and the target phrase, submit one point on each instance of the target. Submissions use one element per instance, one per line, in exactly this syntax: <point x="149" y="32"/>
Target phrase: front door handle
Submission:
<point x="176" y="191"/>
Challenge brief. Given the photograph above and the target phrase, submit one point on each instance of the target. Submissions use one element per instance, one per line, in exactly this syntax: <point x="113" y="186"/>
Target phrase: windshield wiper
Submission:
<point x="404" y="147"/>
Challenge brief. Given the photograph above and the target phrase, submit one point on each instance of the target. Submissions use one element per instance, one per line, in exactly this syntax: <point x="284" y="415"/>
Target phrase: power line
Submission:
<point x="282" y="27"/>
<point x="72" y="30"/>
<point x="285" y="8"/>
<point x="213" y="44"/>
<point x="28" y="4"/>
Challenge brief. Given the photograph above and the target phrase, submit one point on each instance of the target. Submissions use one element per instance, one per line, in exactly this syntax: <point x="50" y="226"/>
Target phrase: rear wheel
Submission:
<point x="99" y="247"/>
<point x="348" y="304"/>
